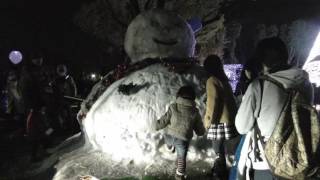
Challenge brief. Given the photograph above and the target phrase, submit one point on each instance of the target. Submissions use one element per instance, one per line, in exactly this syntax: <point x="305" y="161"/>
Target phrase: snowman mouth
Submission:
<point x="166" y="42"/>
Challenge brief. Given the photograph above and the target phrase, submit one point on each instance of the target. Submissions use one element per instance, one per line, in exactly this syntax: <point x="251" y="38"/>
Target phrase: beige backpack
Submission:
<point x="292" y="151"/>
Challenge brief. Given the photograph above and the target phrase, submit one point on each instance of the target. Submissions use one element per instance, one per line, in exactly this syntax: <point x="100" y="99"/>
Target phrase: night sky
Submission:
<point x="45" y="27"/>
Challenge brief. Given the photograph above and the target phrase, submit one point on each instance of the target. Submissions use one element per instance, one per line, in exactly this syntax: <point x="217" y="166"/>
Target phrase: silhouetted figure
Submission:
<point x="180" y="121"/>
<point x="262" y="105"/>
<point x="220" y="114"/>
<point x="64" y="86"/>
<point x="32" y="92"/>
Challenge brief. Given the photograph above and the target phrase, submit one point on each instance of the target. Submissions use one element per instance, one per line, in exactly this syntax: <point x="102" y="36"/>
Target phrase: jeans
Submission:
<point x="181" y="147"/>
<point x="218" y="146"/>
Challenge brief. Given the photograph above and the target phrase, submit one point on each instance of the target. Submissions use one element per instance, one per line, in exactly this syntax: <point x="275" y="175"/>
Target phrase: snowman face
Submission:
<point x="159" y="34"/>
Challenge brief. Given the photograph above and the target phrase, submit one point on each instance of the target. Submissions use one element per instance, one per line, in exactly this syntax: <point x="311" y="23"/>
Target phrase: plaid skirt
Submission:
<point x="221" y="131"/>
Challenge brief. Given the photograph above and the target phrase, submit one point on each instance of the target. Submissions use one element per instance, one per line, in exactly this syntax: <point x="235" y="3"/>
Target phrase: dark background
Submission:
<point x="45" y="28"/>
<point x="48" y="28"/>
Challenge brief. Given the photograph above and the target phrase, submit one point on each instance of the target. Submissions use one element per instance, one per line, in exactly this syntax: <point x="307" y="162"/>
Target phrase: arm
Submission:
<point x="164" y="120"/>
<point x="212" y="105"/>
<point x="198" y="127"/>
<point x="245" y="117"/>
<point x="74" y="86"/>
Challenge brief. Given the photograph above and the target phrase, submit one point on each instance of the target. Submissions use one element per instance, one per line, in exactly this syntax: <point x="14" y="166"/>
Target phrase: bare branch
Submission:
<point x="216" y="18"/>
<point x="223" y="8"/>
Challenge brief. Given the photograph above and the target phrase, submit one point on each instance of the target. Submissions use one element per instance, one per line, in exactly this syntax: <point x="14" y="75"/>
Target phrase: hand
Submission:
<point x="207" y="121"/>
<point x="207" y="124"/>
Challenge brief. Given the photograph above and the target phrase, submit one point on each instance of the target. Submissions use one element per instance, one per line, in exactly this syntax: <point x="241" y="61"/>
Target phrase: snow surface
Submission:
<point x="119" y="136"/>
<point x="122" y="126"/>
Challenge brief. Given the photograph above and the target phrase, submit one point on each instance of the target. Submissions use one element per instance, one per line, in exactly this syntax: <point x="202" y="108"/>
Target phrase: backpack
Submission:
<point x="292" y="150"/>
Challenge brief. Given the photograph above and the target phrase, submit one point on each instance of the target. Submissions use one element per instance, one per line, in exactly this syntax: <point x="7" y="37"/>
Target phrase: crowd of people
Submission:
<point x="38" y="100"/>
<point x="272" y="92"/>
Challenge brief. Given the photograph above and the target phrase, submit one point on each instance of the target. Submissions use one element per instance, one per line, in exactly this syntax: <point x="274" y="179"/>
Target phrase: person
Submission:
<point x="32" y="92"/>
<point x="251" y="70"/>
<point x="16" y="105"/>
<point x="220" y="113"/>
<point x="263" y="109"/>
<point x="181" y="119"/>
<point x="63" y="86"/>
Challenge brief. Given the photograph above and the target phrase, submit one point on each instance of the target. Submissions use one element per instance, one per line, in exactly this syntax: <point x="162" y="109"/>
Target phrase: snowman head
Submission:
<point x="159" y="34"/>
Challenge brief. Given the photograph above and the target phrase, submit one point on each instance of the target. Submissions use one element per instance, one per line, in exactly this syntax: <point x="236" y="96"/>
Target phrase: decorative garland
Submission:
<point x="122" y="70"/>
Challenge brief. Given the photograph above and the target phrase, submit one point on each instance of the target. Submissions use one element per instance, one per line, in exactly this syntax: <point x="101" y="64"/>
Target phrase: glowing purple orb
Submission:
<point x="15" y="57"/>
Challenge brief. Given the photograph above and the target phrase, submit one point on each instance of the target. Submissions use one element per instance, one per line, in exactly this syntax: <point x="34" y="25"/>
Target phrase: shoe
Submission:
<point x="180" y="177"/>
<point x="219" y="169"/>
<point x="170" y="148"/>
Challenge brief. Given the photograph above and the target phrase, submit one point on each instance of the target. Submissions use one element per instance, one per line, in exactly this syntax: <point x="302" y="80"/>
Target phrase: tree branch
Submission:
<point x="216" y="18"/>
<point x="223" y="8"/>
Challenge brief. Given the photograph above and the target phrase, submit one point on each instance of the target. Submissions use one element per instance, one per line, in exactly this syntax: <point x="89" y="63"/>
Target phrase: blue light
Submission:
<point x="195" y="23"/>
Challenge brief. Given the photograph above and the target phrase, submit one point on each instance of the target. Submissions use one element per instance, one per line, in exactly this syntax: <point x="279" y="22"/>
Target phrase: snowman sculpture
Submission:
<point x="124" y="106"/>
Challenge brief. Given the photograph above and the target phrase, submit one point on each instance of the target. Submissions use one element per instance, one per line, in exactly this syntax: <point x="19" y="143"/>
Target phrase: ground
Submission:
<point x="72" y="158"/>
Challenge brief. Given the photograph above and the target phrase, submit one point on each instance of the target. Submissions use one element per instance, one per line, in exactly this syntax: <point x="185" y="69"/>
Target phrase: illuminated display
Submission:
<point x="15" y="57"/>
<point x="233" y="72"/>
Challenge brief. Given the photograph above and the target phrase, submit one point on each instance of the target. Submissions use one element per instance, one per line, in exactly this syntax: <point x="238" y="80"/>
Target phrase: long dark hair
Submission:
<point x="276" y="44"/>
<point x="214" y="67"/>
<point x="255" y="68"/>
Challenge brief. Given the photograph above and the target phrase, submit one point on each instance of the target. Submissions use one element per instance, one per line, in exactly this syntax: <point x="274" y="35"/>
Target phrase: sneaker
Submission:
<point x="180" y="177"/>
<point x="170" y="148"/>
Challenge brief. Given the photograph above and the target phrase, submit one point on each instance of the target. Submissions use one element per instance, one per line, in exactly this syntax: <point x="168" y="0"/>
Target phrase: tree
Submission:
<point x="108" y="20"/>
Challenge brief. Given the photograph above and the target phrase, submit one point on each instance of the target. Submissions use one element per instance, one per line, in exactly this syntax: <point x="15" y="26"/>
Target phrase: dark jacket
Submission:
<point x="181" y="119"/>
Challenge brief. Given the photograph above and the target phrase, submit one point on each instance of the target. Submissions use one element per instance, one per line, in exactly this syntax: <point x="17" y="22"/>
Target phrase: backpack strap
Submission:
<point x="261" y="82"/>
<point x="257" y="133"/>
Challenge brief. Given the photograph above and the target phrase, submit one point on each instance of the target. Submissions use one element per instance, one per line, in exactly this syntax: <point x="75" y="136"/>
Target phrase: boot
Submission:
<point x="219" y="169"/>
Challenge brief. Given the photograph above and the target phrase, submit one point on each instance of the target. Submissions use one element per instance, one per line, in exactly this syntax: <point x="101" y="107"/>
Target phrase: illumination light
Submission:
<point x="15" y="57"/>
<point x="233" y="72"/>
<point x="315" y="51"/>
<point x="93" y="76"/>
<point x="312" y="65"/>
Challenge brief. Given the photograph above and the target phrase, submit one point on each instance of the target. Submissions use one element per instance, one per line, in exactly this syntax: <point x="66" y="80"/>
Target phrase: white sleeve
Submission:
<point x="245" y="117"/>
